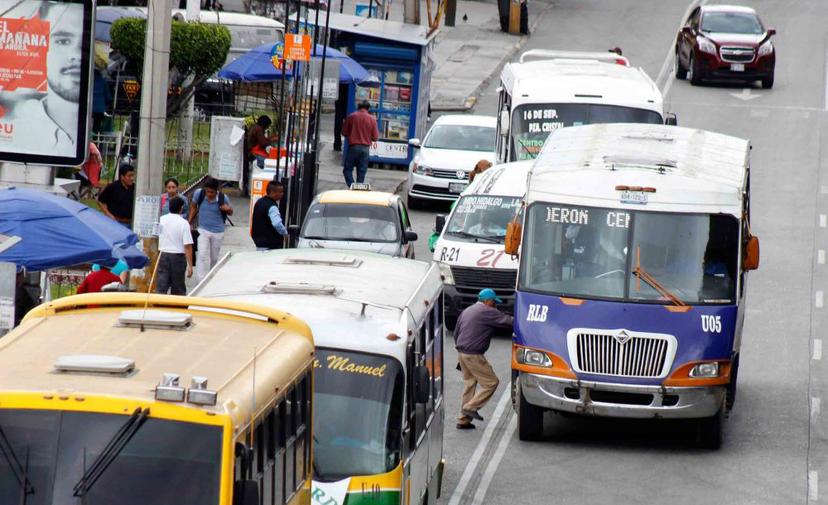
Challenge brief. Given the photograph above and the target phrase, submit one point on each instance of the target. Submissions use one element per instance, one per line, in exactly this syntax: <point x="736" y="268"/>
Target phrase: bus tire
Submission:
<point x="530" y="418"/>
<point x="711" y="430"/>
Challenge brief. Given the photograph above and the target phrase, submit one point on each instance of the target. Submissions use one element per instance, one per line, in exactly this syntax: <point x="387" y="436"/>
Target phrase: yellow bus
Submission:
<point x="120" y="398"/>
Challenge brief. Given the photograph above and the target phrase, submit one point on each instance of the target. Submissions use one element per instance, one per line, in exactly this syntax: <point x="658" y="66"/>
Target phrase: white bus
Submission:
<point x="379" y="410"/>
<point x="546" y="90"/>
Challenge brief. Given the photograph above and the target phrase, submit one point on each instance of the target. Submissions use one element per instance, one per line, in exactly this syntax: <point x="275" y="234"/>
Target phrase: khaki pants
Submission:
<point x="476" y="371"/>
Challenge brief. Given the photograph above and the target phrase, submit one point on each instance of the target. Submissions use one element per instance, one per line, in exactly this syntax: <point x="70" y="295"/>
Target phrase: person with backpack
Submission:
<point x="171" y="185"/>
<point x="209" y="209"/>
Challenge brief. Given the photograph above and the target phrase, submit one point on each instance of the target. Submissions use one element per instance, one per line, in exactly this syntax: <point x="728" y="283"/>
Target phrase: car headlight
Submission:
<point x="533" y="358"/>
<point x="766" y="48"/>
<point x="706" y="46"/>
<point x="705" y="370"/>
<point x="445" y="272"/>
<point x="420" y="169"/>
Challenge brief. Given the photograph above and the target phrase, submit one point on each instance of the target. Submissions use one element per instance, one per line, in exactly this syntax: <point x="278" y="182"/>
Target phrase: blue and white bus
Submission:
<point x="634" y="252"/>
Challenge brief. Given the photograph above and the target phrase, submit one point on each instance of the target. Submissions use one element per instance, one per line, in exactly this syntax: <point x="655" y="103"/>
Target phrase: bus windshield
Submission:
<point x="482" y="218"/>
<point x="532" y="123"/>
<point x="352" y="222"/>
<point x="165" y="463"/>
<point x="636" y="256"/>
<point x="358" y="414"/>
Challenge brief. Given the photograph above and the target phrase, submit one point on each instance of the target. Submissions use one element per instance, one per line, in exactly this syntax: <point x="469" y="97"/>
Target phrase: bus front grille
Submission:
<point x="621" y="354"/>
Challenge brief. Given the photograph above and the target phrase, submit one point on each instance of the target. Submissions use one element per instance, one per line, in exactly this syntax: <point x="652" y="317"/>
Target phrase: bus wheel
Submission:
<point x="711" y="430"/>
<point x="530" y="418"/>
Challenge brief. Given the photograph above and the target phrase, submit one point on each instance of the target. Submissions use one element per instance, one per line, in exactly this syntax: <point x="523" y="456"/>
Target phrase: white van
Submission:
<point x="470" y="248"/>
<point x="378" y="328"/>
<point x="547" y="90"/>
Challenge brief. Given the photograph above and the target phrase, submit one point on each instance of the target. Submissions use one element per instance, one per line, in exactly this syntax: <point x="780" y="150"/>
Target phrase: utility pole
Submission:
<point x="411" y="11"/>
<point x="152" y="136"/>
<point x="185" y="121"/>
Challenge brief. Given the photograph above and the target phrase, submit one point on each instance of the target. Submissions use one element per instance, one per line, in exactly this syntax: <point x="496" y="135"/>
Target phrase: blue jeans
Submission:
<point x="355" y="157"/>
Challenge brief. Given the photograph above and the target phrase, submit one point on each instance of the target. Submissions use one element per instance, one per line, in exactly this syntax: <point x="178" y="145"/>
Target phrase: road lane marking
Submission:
<point x="825" y="103"/>
<point x="821" y="256"/>
<point x="819" y="298"/>
<point x="488" y="476"/>
<point x="823" y="220"/>
<point x="817" y="349"/>
<point x="813" y="485"/>
<point x="665" y="75"/>
<point x="745" y="95"/>
<point x="814" y="410"/>
<point x="471" y="466"/>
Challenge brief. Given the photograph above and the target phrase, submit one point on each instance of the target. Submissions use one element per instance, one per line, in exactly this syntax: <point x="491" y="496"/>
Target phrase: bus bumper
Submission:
<point x="621" y="400"/>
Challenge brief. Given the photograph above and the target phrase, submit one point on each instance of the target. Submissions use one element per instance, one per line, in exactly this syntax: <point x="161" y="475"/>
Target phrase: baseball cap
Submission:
<point x="488" y="294"/>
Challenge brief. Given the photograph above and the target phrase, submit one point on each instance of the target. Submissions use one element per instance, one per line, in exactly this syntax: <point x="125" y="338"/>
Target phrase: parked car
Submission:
<point x="725" y="42"/>
<point x="450" y="150"/>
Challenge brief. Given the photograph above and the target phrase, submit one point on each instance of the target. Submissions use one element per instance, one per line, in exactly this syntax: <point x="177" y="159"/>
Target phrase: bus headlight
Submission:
<point x="445" y="273"/>
<point x="705" y="370"/>
<point x="533" y="358"/>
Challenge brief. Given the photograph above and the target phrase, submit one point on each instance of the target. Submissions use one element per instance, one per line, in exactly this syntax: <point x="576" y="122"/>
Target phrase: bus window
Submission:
<point x="436" y="318"/>
<point x="281" y="453"/>
<point x="290" y="459"/>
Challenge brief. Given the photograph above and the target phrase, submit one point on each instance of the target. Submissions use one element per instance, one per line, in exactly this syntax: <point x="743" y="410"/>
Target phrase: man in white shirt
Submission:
<point x="175" y="241"/>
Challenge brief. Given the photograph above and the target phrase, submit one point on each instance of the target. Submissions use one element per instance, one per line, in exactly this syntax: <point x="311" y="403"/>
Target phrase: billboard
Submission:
<point x="45" y="79"/>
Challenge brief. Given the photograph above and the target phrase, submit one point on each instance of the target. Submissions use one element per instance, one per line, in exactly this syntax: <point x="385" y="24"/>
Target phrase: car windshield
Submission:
<point x="358" y="414"/>
<point x="165" y="463"/>
<point x="352" y="222"/>
<point x="461" y="137"/>
<point x="482" y="217"/>
<point x="731" y="22"/>
<point x="532" y="123"/>
<point x="615" y="254"/>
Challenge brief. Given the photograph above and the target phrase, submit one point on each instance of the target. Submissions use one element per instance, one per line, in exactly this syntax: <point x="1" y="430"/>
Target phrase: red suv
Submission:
<point x="725" y="42"/>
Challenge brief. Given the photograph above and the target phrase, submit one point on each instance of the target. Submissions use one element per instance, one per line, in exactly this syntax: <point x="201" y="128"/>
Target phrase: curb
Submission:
<point x="471" y="100"/>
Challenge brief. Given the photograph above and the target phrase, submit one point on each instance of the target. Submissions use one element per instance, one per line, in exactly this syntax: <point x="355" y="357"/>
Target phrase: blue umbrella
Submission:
<point x="58" y="232"/>
<point x="256" y="66"/>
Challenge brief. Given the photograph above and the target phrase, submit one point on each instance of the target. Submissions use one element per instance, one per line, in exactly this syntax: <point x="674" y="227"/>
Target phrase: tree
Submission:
<point x="197" y="51"/>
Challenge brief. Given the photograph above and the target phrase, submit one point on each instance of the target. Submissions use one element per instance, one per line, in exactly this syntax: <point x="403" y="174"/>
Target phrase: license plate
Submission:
<point x="737" y="67"/>
<point x="636" y="197"/>
<point x="457" y="187"/>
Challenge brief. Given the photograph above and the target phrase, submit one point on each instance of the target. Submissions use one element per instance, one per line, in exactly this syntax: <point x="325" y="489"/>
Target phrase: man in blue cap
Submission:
<point x="472" y="336"/>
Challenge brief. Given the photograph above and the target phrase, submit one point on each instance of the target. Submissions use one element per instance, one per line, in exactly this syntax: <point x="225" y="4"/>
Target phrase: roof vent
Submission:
<point x="345" y="261"/>
<point x="161" y="319"/>
<point x="298" y="288"/>
<point x="93" y="363"/>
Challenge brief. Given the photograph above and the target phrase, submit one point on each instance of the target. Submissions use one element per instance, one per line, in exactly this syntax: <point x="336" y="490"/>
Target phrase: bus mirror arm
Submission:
<point x="751" y="260"/>
<point x="439" y="223"/>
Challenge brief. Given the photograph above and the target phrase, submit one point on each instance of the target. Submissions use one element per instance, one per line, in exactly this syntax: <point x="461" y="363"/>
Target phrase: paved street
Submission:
<point x="775" y="447"/>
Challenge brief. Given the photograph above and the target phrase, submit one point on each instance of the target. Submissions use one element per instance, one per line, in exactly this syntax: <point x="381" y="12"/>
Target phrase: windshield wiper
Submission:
<point x="20" y="471"/>
<point x="642" y="274"/>
<point x="113" y="448"/>
<point x="466" y="234"/>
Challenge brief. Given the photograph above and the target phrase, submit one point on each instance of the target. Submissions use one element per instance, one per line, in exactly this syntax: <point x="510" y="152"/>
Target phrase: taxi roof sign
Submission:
<point x="360" y="186"/>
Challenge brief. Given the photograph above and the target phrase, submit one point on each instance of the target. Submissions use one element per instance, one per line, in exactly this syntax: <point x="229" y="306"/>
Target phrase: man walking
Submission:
<point x="211" y="207"/>
<point x="118" y="198"/>
<point x="472" y="336"/>
<point x="176" y="245"/>
<point x="267" y="229"/>
<point x="360" y="128"/>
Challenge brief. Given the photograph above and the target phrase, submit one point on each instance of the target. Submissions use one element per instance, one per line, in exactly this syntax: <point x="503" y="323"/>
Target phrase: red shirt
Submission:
<point x="97" y="280"/>
<point x="360" y="128"/>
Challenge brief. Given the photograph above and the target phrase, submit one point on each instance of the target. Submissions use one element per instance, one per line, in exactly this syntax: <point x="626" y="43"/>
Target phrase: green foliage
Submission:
<point x="197" y="51"/>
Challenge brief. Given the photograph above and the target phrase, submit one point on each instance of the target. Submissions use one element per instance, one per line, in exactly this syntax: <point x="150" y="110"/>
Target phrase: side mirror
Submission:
<point x="293" y="230"/>
<point x="439" y="223"/>
<point x="504" y="122"/>
<point x="751" y="261"/>
<point x="513" y="235"/>
<point x="414" y="142"/>
<point x="410" y="236"/>
<point x="670" y="119"/>
<point x="423" y="385"/>
<point x="771" y="32"/>
<point x="245" y="492"/>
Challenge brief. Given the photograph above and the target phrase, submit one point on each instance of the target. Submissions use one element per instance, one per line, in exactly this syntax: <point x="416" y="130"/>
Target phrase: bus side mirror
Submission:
<point x="439" y="223"/>
<point x="513" y="233"/>
<point x="751" y="261"/>
<point x="410" y="236"/>
<point x="504" y="122"/>
<point x="423" y="384"/>
<point x="246" y="492"/>
<point x="670" y="119"/>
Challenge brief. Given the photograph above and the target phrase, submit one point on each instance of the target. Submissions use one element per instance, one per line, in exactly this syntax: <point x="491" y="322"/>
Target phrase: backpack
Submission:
<point x="221" y="201"/>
